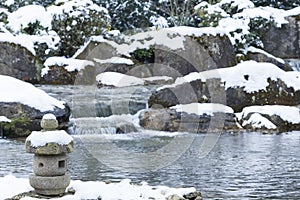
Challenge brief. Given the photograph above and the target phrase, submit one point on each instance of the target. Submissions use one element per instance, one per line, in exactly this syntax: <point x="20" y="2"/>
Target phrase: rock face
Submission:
<point x="26" y="119"/>
<point x="18" y="62"/>
<point x="171" y="120"/>
<point x="277" y="92"/>
<point x="199" y="54"/>
<point x="284" y="42"/>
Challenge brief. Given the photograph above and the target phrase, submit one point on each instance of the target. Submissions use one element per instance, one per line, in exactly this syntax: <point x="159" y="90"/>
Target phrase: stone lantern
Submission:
<point x="50" y="148"/>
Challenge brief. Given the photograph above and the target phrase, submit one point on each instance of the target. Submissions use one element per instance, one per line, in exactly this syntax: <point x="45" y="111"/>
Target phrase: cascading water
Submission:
<point x="294" y="63"/>
<point x="103" y="110"/>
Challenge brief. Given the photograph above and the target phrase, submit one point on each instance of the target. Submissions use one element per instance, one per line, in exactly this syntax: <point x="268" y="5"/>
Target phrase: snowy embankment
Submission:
<point x="123" y="190"/>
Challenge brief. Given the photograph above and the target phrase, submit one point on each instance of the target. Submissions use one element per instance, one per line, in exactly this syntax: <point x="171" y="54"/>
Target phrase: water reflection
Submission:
<point x="249" y="165"/>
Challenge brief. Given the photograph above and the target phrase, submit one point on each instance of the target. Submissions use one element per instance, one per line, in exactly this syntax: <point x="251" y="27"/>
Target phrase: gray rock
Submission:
<point x="55" y="185"/>
<point x="18" y="62"/>
<point x="171" y="120"/>
<point x="284" y="42"/>
<point x="199" y="54"/>
<point x="259" y="57"/>
<point x="193" y="196"/>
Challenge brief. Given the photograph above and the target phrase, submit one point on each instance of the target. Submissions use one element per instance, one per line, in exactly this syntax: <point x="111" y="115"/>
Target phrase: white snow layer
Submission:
<point x="49" y="116"/>
<point x="202" y="108"/>
<point x="14" y="90"/>
<point x="250" y="75"/>
<point x="30" y="14"/>
<point x="256" y="50"/>
<point x="115" y="60"/>
<point x="256" y="120"/>
<point x="40" y="138"/>
<point x="70" y="64"/>
<point x="123" y="190"/>
<point x="287" y="113"/>
<point x="4" y="119"/>
<point x="118" y="79"/>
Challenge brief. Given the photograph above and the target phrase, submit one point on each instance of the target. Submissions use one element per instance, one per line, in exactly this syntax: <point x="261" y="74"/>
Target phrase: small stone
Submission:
<point x="49" y="122"/>
<point x="71" y="190"/>
<point x="193" y="196"/>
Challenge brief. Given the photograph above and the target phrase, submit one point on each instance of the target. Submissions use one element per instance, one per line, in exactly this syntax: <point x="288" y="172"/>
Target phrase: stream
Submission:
<point x="248" y="165"/>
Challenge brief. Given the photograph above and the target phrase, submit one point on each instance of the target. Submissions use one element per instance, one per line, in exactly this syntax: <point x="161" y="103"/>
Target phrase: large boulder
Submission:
<point x="66" y="71"/>
<point x="198" y="54"/>
<point x="247" y="84"/>
<point x="284" y="41"/>
<point x="176" y="120"/>
<point x="25" y="105"/>
<point x="18" y="62"/>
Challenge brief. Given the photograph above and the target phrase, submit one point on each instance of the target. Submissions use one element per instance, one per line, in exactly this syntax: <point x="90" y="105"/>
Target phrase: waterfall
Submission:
<point x="294" y="63"/>
<point x="115" y="124"/>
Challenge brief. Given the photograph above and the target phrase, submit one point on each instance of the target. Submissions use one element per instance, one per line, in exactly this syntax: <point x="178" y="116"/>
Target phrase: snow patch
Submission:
<point x="26" y="15"/>
<point x="115" y="60"/>
<point x="49" y="116"/>
<point x="256" y="120"/>
<point x="39" y="138"/>
<point x="70" y="64"/>
<point x="202" y="108"/>
<point x="118" y="79"/>
<point x="4" y="119"/>
<point x="256" y="50"/>
<point x="14" y="90"/>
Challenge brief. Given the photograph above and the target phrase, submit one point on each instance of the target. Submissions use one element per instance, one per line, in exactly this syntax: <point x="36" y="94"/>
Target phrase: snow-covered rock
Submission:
<point x="248" y="83"/>
<point x="62" y="70"/>
<point x="25" y="105"/>
<point x="260" y="55"/>
<point x="270" y="117"/>
<point x="194" y="117"/>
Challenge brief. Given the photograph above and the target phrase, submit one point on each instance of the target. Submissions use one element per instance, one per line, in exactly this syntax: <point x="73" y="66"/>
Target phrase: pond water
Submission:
<point x="239" y="166"/>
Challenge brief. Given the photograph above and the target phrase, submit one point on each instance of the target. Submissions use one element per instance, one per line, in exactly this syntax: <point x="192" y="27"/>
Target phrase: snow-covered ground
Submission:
<point x="250" y="75"/>
<point x="202" y="108"/>
<point x="123" y="190"/>
<point x="14" y="90"/>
